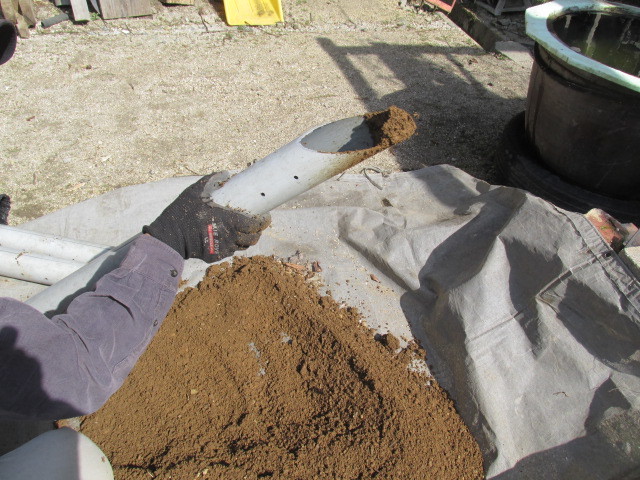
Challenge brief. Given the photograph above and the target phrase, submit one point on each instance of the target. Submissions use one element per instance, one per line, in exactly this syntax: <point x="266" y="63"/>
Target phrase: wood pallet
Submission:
<point x="498" y="7"/>
<point x="22" y="12"/>
<point x="125" y="8"/>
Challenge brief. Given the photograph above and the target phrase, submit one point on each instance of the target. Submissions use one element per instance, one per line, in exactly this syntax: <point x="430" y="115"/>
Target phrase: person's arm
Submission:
<point x="72" y="363"/>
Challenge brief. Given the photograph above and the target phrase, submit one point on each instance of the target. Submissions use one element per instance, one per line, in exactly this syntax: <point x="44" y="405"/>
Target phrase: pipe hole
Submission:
<point x="296" y="177"/>
<point x="263" y="194"/>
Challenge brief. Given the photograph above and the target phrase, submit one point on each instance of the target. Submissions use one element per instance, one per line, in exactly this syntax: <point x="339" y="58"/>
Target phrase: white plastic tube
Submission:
<point x="12" y="238"/>
<point x="312" y="158"/>
<point x="303" y="163"/>
<point x="42" y="258"/>
<point x="35" y="268"/>
<point x="61" y="454"/>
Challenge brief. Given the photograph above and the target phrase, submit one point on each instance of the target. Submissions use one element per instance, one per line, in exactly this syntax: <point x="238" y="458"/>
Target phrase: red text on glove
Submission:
<point x="212" y="231"/>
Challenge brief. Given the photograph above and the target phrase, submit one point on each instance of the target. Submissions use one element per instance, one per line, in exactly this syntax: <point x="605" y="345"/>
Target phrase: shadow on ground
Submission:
<point x="460" y="118"/>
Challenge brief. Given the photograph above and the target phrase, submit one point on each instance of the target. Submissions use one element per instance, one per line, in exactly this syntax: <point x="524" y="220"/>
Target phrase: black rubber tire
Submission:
<point x="8" y="40"/>
<point x="5" y="206"/>
<point x="517" y="164"/>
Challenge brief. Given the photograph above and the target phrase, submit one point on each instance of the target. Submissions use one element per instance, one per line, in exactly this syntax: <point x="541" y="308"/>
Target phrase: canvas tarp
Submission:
<point x="529" y="319"/>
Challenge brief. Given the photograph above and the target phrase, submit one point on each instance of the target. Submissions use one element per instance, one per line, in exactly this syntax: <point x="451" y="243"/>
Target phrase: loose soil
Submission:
<point x="254" y="374"/>
<point x="389" y="127"/>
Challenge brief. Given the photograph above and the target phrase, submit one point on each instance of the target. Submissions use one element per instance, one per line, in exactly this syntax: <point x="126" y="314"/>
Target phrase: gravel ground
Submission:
<point x="90" y="108"/>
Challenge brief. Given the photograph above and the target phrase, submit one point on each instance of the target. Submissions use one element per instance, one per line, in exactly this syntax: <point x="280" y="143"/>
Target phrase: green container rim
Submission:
<point x="539" y="18"/>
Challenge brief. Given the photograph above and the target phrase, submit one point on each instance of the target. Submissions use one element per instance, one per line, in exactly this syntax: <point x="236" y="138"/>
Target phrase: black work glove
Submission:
<point x="195" y="227"/>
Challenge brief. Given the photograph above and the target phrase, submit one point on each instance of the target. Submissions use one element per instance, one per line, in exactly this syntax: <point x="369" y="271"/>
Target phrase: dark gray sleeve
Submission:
<point x="71" y="364"/>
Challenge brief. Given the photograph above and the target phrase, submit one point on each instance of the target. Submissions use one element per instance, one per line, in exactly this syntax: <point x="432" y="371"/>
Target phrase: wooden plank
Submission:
<point x="179" y="2"/>
<point x="447" y="7"/>
<point x="125" y="8"/>
<point x="28" y="12"/>
<point x="9" y="12"/>
<point x="22" y="27"/>
<point x="80" y="10"/>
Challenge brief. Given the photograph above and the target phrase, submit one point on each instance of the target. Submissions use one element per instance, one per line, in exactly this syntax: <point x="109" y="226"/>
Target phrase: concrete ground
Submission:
<point x="90" y="108"/>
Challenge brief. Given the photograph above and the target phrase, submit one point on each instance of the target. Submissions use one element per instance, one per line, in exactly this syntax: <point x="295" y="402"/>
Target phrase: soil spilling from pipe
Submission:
<point x="389" y="127"/>
<point x="254" y="374"/>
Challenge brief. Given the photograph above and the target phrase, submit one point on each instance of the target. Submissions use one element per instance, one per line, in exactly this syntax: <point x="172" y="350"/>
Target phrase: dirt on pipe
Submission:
<point x="255" y="374"/>
<point x="389" y="127"/>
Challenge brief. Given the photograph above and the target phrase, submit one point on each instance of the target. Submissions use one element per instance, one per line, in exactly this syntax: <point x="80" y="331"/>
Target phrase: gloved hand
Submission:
<point x="195" y="227"/>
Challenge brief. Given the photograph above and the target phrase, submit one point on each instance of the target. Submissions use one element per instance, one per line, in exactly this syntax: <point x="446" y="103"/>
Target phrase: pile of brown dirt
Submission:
<point x="390" y="127"/>
<point x="254" y="374"/>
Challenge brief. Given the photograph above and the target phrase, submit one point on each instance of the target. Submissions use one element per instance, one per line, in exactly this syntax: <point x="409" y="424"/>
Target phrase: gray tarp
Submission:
<point x="530" y="321"/>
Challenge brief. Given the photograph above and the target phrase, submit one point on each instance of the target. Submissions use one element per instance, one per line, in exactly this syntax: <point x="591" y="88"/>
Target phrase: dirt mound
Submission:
<point x="254" y="374"/>
<point x="390" y="127"/>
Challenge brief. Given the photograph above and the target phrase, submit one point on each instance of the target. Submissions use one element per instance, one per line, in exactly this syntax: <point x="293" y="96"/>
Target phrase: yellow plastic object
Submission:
<point x="253" y="12"/>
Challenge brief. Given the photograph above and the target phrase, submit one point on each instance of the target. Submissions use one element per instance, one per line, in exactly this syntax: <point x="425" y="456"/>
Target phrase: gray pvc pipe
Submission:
<point x="35" y="268"/>
<point x="307" y="161"/>
<point x="312" y="158"/>
<point x="51" y="245"/>
<point x="42" y="258"/>
<point x="51" y="21"/>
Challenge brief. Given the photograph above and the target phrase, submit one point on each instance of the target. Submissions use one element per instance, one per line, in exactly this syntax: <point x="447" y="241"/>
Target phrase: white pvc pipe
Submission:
<point x="61" y="454"/>
<point x="312" y="158"/>
<point x="303" y="163"/>
<point x="12" y="238"/>
<point x="42" y="258"/>
<point x="34" y="267"/>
